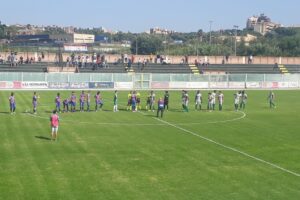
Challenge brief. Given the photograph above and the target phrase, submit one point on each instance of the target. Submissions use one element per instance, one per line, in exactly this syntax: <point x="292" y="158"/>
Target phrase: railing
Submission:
<point x="16" y="80"/>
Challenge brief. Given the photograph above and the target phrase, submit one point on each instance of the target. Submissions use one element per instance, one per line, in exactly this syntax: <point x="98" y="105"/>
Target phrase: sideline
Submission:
<point x="229" y="148"/>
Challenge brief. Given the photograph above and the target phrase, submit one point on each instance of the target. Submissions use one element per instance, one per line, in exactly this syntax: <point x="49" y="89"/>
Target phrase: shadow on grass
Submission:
<point x="5" y="113"/>
<point x="42" y="137"/>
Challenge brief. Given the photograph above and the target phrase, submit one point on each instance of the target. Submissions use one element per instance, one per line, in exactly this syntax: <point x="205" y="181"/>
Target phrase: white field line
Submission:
<point x="212" y="122"/>
<point x="95" y="123"/>
<point x="217" y="122"/>
<point x="141" y="124"/>
<point x="229" y="148"/>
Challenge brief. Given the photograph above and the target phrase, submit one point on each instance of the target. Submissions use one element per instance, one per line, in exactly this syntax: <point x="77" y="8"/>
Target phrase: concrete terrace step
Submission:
<point x="158" y="68"/>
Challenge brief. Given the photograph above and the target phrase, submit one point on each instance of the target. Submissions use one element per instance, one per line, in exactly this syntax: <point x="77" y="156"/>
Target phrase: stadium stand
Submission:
<point x="170" y="68"/>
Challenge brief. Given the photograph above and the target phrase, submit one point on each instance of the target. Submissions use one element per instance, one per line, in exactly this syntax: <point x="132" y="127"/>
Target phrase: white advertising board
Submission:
<point x="236" y="85"/>
<point x="123" y="85"/>
<point x="34" y="85"/>
<point x="253" y="85"/>
<point x="188" y="85"/>
<point x="220" y="85"/>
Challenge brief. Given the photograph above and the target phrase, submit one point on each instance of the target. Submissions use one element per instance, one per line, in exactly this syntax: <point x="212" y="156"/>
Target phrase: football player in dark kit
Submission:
<point x="166" y="100"/>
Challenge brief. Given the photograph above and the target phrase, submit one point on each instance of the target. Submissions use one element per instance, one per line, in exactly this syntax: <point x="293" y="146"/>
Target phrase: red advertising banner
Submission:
<point x="17" y="84"/>
<point x="160" y="85"/>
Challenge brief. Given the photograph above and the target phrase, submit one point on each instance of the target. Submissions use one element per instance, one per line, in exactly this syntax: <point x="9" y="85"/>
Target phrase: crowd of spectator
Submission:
<point x="83" y="61"/>
<point x="14" y="60"/>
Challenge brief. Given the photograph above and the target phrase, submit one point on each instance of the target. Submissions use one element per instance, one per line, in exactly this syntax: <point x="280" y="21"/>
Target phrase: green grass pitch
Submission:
<point x="254" y="154"/>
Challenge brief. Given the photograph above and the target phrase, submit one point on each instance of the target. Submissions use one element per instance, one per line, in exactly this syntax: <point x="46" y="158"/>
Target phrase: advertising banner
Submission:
<point x="293" y="84"/>
<point x="178" y="85"/>
<point x="283" y="84"/>
<point x="188" y="85"/>
<point x="123" y="85"/>
<point x="6" y="85"/>
<point x="253" y="85"/>
<point x="79" y="85"/>
<point x="34" y="85"/>
<point x="17" y="85"/>
<point x="236" y="85"/>
<point x="196" y="85"/>
<point x="272" y="85"/>
<point x="59" y="85"/>
<point x="76" y="48"/>
<point x="160" y="85"/>
<point x="221" y="85"/>
<point x="101" y="85"/>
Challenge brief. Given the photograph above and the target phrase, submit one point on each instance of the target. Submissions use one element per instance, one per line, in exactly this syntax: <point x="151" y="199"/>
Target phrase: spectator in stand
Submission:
<point x="182" y="61"/>
<point x="157" y="59"/>
<point x="125" y="58"/>
<point x="139" y="63"/>
<point x="151" y="58"/>
<point x="206" y="61"/>
<point x="197" y="63"/>
<point x="83" y="61"/>
<point x="87" y="61"/>
<point x="73" y="59"/>
<point x="68" y="62"/>
<point x="250" y="59"/>
<point x="186" y="59"/>
<point x="27" y="60"/>
<point x="1" y="60"/>
<point x="129" y="63"/>
<point x="21" y="60"/>
<point x="103" y="64"/>
<point x="227" y="58"/>
<point x="15" y="60"/>
<point x="144" y="64"/>
<point x="11" y="59"/>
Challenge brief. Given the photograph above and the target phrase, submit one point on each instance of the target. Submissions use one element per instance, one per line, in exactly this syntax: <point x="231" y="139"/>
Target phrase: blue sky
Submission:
<point x="140" y="15"/>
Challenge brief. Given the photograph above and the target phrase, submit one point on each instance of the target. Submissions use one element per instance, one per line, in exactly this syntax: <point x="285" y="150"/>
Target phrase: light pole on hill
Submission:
<point x="236" y="28"/>
<point x="136" y="45"/>
<point x="210" y="24"/>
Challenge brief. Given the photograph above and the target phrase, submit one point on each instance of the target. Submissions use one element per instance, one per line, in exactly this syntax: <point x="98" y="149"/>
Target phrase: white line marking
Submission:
<point x="216" y="122"/>
<point x="230" y="148"/>
<point x="212" y="122"/>
<point x="95" y="123"/>
<point x="145" y="124"/>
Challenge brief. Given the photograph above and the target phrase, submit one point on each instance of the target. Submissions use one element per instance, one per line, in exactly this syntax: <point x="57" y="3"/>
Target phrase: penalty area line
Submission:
<point x="229" y="148"/>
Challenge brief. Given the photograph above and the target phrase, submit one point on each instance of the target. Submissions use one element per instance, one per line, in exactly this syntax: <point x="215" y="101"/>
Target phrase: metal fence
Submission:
<point x="157" y="81"/>
<point x="121" y="77"/>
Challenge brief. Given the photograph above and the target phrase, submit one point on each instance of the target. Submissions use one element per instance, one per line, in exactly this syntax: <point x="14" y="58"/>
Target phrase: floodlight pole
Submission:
<point x="136" y="45"/>
<point x="236" y="28"/>
<point x="210" y="24"/>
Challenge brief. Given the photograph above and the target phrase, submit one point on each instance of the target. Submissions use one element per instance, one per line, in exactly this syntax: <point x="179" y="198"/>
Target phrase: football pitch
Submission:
<point x="250" y="154"/>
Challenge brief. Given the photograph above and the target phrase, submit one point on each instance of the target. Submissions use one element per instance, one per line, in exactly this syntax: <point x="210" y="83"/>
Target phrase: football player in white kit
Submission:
<point x="213" y="95"/>
<point x="236" y="100"/>
<point x="209" y="102"/>
<point x="198" y="100"/>
<point x="221" y="100"/>
<point x="244" y="98"/>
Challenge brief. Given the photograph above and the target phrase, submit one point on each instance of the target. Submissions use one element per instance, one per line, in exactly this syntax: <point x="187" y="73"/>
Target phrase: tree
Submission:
<point x="146" y="44"/>
<point x="2" y="32"/>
